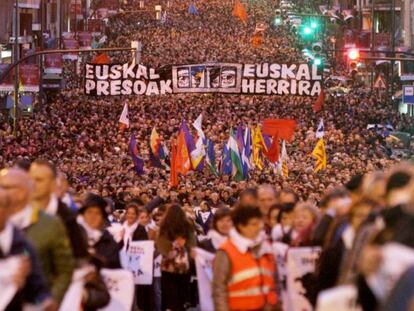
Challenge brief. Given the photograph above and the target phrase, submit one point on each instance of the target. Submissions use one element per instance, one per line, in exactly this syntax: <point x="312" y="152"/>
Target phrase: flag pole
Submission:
<point x="16" y="72"/>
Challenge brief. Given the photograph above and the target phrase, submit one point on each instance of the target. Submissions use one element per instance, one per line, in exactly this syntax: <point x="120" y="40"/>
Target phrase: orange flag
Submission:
<point x="319" y="102"/>
<point x="183" y="162"/>
<point x="173" y="170"/>
<point x="257" y="40"/>
<point x="239" y="11"/>
<point x="101" y="59"/>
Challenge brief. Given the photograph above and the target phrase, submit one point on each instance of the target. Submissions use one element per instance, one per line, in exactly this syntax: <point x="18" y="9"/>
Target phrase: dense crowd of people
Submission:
<point x="352" y="209"/>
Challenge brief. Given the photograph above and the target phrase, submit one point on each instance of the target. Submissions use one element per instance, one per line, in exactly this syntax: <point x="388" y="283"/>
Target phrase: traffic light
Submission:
<point x="317" y="60"/>
<point x="314" y="24"/>
<point x="317" y="47"/>
<point x="278" y="18"/>
<point x="353" y="54"/>
<point x="277" y="21"/>
<point x="307" y="31"/>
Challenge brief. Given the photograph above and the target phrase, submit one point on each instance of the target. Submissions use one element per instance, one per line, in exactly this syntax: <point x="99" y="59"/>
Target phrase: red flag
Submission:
<point x="283" y="128"/>
<point x="274" y="151"/>
<point x="319" y="102"/>
<point x="173" y="171"/>
<point x="101" y="59"/>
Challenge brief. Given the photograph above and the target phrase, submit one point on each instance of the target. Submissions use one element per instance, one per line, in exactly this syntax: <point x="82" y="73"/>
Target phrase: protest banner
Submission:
<point x="73" y="296"/>
<point x="280" y="252"/>
<point x="301" y="264"/>
<point x="341" y="298"/>
<point x="260" y="79"/>
<point x="139" y="259"/>
<point x="120" y="284"/>
<point x="204" y="269"/>
<point x="8" y="268"/>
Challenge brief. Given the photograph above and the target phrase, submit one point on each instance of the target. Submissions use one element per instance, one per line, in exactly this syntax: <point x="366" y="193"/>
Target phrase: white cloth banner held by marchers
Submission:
<point x="120" y="284"/>
<point x="279" y="252"/>
<point x="301" y="264"/>
<point x="341" y="298"/>
<point x="73" y="296"/>
<point x="8" y="268"/>
<point x="204" y="268"/>
<point x="139" y="259"/>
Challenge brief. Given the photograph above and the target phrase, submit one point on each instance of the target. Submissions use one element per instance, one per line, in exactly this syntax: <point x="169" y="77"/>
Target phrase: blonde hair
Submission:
<point x="308" y="206"/>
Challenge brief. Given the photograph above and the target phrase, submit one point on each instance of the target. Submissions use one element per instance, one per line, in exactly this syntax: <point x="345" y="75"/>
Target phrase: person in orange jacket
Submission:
<point x="244" y="267"/>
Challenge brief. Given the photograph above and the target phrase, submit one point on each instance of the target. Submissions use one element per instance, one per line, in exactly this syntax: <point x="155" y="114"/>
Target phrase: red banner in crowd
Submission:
<point x="29" y="78"/>
<point x="53" y="63"/>
<point x="85" y="40"/>
<point x="70" y="43"/>
<point x="95" y="26"/>
<point x="7" y="84"/>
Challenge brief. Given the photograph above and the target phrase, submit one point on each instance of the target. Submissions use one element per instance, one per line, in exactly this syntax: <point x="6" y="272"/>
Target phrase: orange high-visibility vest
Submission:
<point x="251" y="285"/>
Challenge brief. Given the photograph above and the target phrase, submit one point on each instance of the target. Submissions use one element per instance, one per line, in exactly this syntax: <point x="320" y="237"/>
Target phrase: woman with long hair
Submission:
<point x="175" y="240"/>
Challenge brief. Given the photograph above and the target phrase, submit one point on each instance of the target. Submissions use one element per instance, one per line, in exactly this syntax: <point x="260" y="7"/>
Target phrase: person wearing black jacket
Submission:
<point x="100" y="241"/>
<point x="204" y="216"/>
<point x="220" y="228"/>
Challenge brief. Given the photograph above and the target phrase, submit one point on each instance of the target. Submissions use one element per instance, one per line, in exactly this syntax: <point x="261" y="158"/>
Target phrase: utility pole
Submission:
<point x="42" y="11"/>
<point x="16" y="70"/>
<point x="372" y="41"/>
<point x="392" y="46"/>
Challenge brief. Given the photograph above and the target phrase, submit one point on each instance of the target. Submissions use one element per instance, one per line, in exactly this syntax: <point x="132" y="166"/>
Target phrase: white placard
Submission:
<point x="301" y="264"/>
<point x="139" y="259"/>
<point x="204" y="269"/>
<point x="341" y="298"/>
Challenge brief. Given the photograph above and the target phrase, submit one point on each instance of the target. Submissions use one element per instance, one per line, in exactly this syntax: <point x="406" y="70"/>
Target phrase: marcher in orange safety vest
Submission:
<point x="244" y="267"/>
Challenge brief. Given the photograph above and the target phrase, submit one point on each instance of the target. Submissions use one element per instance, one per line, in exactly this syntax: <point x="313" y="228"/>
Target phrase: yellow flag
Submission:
<point x="319" y="154"/>
<point x="258" y="146"/>
<point x="283" y="159"/>
<point x="285" y="170"/>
